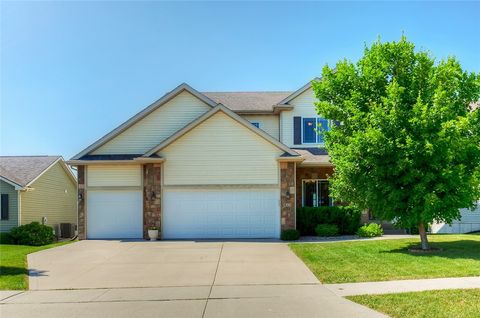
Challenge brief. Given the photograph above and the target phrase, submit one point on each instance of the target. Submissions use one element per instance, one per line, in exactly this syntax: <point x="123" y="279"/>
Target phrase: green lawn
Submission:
<point x="13" y="264"/>
<point x="458" y="303"/>
<point x="364" y="261"/>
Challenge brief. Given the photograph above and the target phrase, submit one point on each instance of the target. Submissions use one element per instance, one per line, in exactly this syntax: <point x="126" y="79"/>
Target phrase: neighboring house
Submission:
<point x="36" y="188"/>
<point x="469" y="222"/>
<point x="206" y="165"/>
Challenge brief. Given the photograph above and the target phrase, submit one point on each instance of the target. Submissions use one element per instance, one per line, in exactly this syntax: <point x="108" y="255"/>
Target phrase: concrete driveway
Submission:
<point x="174" y="279"/>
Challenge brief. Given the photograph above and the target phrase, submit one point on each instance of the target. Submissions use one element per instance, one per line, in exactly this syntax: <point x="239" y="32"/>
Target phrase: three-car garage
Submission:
<point x="217" y="178"/>
<point x="115" y="208"/>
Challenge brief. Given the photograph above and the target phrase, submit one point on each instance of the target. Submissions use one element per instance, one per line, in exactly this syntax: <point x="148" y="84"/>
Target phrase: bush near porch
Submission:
<point x="346" y="218"/>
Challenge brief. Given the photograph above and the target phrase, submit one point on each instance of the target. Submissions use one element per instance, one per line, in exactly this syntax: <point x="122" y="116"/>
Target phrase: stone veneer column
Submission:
<point x="81" y="199"/>
<point x="287" y="195"/>
<point x="152" y="208"/>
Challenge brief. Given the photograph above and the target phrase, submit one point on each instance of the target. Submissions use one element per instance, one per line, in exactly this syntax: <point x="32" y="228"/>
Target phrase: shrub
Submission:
<point x="346" y="218"/>
<point x="326" y="230"/>
<point x="290" y="235"/>
<point x="34" y="234"/>
<point x="6" y="238"/>
<point x="370" y="230"/>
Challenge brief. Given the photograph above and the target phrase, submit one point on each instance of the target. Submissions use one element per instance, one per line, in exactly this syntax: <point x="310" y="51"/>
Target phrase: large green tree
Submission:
<point x="408" y="143"/>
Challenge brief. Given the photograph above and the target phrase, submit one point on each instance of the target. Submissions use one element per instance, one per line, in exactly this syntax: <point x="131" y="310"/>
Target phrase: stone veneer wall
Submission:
<point x="287" y="195"/>
<point x="310" y="173"/>
<point x="152" y="196"/>
<point x="81" y="199"/>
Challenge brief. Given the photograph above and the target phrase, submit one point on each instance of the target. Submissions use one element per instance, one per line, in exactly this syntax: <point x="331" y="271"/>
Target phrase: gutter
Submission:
<point x="138" y="160"/>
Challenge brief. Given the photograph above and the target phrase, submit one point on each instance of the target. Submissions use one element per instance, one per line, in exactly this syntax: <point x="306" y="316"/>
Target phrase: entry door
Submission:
<point x="316" y="193"/>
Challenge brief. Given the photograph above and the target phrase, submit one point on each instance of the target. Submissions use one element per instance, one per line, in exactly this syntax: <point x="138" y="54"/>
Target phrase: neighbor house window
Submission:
<point x="256" y="124"/>
<point x="4" y="207"/>
<point x="316" y="193"/>
<point x="313" y="129"/>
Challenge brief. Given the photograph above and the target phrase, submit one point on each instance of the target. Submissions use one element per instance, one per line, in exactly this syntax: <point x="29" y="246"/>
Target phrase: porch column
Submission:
<point x="152" y="192"/>
<point x="81" y="199"/>
<point x="287" y="195"/>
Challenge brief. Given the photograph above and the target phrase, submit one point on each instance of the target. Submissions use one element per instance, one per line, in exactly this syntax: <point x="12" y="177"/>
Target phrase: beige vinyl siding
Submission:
<point x="54" y="195"/>
<point x="157" y="126"/>
<point x="269" y="123"/>
<point x="114" y="176"/>
<point x="220" y="151"/>
<point x="304" y="106"/>
<point x="6" y="225"/>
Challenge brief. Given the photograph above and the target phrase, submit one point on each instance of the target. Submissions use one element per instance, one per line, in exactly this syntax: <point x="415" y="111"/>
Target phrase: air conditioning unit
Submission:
<point x="67" y="230"/>
<point x="57" y="231"/>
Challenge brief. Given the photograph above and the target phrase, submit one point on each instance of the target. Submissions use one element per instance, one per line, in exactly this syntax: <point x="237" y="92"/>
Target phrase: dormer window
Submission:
<point x="312" y="130"/>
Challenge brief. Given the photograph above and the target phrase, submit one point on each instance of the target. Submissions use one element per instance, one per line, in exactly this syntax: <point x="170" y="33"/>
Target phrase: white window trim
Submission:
<point x="316" y="123"/>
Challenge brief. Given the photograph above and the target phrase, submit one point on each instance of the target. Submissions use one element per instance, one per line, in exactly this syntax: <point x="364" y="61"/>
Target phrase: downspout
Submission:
<point x="19" y="208"/>
<point x="295" y="197"/>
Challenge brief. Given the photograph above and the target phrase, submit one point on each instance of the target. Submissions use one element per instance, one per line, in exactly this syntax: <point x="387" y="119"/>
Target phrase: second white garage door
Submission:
<point x="114" y="214"/>
<point x="217" y="213"/>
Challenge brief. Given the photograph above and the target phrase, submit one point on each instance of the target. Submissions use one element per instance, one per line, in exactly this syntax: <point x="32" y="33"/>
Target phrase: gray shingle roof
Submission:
<point x="248" y="101"/>
<point x="313" y="156"/>
<point x="23" y="169"/>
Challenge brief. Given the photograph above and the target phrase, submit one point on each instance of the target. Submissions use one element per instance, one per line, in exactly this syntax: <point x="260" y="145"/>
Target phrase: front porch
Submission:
<point x="312" y="188"/>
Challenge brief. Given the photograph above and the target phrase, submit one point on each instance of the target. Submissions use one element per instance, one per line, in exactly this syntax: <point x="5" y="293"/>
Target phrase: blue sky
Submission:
<point x="72" y="71"/>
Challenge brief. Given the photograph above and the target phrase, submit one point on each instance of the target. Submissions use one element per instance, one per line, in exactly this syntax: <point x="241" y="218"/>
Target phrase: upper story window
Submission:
<point x="256" y="124"/>
<point x="312" y="130"/>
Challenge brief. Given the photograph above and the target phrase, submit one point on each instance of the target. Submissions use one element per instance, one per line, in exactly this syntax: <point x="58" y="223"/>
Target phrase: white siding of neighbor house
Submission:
<point x="469" y="222"/>
<point x="114" y="176"/>
<point x="220" y="151"/>
<point x="157" y="126"/>
<point x="304" y="106"/>
<point x="269" y="123"/>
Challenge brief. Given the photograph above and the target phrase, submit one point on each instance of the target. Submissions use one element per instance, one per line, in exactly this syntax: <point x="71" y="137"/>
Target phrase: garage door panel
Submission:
<point x="233" y="213"/>
<point x="114" y="214"/>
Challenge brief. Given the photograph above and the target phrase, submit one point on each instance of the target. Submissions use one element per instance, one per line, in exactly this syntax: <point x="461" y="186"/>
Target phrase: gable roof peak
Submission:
<point x="298" y="92"/>
<point x="206" y="116"/>
<point x="143" y="113"/>
<point x="24" y="170"/>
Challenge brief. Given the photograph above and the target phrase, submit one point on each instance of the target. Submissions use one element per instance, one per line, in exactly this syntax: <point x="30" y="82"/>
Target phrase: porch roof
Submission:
<point x="314" y="157"/>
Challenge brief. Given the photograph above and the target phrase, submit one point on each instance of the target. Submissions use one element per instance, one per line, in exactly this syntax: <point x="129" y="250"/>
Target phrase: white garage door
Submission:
<point x="114" y="214"/>
<point x="232" y="213"/>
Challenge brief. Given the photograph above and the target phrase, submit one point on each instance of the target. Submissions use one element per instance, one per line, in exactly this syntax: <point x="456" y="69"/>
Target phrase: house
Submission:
<point x="206" y="165"/>
<point x="468" y="222"/>
<point x="36" y="189"/>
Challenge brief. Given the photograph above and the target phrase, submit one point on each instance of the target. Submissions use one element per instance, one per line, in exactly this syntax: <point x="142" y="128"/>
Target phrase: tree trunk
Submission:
<point x="423" y="236"/>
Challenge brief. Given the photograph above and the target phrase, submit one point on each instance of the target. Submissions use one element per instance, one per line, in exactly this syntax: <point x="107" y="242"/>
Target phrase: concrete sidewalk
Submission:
<point x="402" y="286"/>
<point x="221" y="301"/>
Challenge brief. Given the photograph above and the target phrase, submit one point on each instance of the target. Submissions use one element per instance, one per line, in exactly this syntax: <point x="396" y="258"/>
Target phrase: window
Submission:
<point x="256" y="124"/>
<point x="4" y="207"/>
<point x="316" y="193"/>
<point x="313" y="128"/>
